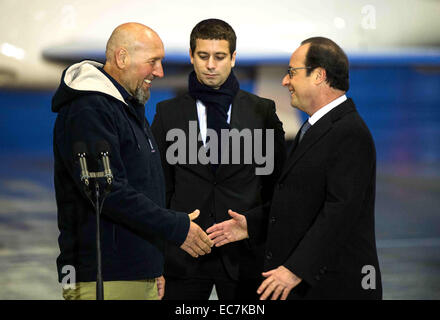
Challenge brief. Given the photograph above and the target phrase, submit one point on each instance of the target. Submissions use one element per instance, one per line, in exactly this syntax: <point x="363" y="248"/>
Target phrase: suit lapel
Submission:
<point x="190" y="114"/>
<point x="238" y="113"/>
<point x="315" y="133"/>
<point x="293" y="146"/>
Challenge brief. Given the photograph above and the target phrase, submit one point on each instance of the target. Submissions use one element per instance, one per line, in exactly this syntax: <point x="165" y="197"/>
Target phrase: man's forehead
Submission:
<point x="217" y="44"/>
<point x="149" y="46"/>
<point x="299" y="55"/>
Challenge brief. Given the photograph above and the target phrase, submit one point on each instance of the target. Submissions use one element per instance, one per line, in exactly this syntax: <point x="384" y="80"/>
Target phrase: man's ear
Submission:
<point x="122" y="58"/>
<point x="320" y="75"/>
<point x="191" y="56"/>
<point x="233" y="59"/>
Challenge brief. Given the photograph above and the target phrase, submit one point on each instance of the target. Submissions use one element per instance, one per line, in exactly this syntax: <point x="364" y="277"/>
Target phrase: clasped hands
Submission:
<point x="197" y="242"/>
<point x="279" y="282"/>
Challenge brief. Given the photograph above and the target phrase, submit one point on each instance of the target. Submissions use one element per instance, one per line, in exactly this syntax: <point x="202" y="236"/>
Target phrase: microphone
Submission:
<point x="80" y="151"/>
<point x="103" y="150"/>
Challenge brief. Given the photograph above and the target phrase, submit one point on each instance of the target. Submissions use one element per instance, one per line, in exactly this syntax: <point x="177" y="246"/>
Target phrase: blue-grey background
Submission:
<point x="398" y="96"/>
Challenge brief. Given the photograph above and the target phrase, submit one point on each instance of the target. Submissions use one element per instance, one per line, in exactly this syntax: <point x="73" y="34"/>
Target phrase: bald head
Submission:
<point x="129" y="36"/>
<point x="134" y="56"/>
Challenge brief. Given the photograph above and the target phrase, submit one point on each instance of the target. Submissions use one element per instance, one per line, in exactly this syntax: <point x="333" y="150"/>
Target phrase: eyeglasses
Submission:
<point x="291" y="70"/>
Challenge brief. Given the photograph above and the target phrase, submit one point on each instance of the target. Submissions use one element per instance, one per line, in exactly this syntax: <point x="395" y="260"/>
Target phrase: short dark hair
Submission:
<point x="326" y="54"/>
<point x="213" y="29"/>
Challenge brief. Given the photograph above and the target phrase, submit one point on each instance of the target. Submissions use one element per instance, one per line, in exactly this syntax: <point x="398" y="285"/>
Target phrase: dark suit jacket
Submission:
<point x="322" y="214"/>
<point x="233" y="186"/>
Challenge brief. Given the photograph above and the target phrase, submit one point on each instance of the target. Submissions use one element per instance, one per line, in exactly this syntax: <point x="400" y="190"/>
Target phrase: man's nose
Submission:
<point x="286" y="80"/>
<point x="211" y="63"/>
<point x="158" y="70"/>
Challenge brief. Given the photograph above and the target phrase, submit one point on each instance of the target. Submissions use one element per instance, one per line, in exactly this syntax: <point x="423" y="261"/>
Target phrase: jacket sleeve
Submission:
<point x="349" y="172"/>
<point x="160" y="133"/>
<point x="257" y="218"/>
<point x="91" y="120"/>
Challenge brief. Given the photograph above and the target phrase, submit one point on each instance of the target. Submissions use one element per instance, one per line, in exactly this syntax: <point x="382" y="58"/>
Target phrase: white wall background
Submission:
<point x="264" y="28"/>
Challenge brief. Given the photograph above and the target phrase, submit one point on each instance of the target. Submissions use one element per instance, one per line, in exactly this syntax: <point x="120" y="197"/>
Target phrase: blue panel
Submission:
<point x="399" y="104"/>
<point x="26" y="119"/>
<point x="401" y="107"/>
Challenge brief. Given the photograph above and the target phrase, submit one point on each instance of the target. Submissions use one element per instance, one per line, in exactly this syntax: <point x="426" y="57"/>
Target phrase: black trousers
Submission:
<point x="209" y="272"/>
<point x="200" y="289"/>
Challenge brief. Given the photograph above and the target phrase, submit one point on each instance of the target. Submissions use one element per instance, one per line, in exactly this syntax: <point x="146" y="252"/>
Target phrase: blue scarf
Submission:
<point x="217" y="102"/>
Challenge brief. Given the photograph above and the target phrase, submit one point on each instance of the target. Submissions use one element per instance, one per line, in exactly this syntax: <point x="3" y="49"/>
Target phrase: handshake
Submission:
<point x="199" y="243"/>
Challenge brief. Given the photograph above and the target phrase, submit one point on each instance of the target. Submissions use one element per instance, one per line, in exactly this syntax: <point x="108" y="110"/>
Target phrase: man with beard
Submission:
<point x="98" y="103"/>
<point x="214" y="102"/>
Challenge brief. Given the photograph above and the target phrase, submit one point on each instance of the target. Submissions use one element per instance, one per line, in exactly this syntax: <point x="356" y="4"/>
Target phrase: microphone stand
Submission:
<point x="85" y="176"/>
<point x="99" y="282"/>
<point x="108" y="176"/>
<point x="98" y="209"/>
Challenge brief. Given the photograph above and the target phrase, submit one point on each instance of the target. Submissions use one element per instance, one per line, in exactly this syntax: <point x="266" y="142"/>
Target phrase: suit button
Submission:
<point x="317" y="278"/>
<point x="322" y="271"/>
<point x="215" y="183"/>
<point x="273" y="220"/>
<point x="269" y="255"/>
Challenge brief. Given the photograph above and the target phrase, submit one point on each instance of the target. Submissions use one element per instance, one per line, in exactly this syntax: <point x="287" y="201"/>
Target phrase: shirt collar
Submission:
<point x="325" y="109"/>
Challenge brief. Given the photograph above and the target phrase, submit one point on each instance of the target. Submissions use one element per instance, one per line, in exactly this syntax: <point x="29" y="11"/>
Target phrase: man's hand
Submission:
<point x="197" y="242"/>
<point x="231" y="230"/>
<point x="160" y="287"/>
<point x="280" y="281"/>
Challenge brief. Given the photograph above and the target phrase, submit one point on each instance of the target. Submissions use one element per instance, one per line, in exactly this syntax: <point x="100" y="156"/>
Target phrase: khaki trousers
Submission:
<point x="114" y="290"/>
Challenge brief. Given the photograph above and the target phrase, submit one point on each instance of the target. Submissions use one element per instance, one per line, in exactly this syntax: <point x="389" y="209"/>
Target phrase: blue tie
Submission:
<point x="304" y="129"/>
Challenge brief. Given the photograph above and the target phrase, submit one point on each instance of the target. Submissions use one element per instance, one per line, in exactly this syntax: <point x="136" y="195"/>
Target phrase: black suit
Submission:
<point x="322" y="214"/>
<point x="232" y="186"/>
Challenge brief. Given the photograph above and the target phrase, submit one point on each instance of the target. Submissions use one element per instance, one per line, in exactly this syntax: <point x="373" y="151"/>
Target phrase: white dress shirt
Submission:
<point x="326" y="109"/>
<point x="203" y="123"/>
